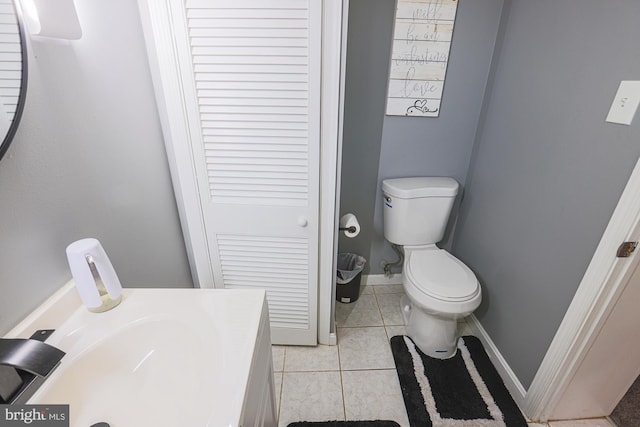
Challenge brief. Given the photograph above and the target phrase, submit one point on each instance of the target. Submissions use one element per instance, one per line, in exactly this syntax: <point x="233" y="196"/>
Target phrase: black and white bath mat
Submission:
<point x="377" y="423"/>
<point x="463" y="391"/>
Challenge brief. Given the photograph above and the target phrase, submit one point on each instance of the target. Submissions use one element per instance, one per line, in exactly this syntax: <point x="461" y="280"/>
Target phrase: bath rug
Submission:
<point x="377" y="423"/>
<point x="463" y="391"/>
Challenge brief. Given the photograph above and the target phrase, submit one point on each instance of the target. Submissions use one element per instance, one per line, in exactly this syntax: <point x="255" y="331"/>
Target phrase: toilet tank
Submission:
<point x="416" y="210"/>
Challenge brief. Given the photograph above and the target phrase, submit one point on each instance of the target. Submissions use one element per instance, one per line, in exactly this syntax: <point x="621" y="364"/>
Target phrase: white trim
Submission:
<point x="594" y="300"/>
<point x="381" y="279"/>
<point x="333" y="339"/>
<point x="159" y="34"/>
<point x="511" y="381"/>
<point x="332" y="101"/>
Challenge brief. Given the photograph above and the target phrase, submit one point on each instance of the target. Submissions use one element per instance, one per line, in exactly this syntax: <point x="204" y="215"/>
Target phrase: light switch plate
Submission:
<point x="625" y="102"/>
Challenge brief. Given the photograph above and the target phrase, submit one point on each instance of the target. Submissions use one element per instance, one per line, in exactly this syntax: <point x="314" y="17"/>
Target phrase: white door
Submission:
<point x="257" y="69"/>
<point x="249" y="77"/>
<point x="610" y="364"/>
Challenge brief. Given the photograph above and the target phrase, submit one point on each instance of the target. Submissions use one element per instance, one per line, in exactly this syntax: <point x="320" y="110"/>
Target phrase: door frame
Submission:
<point x="334" y="58"/>
<point x="603" y="282"/>
<point x="159" y="33"/>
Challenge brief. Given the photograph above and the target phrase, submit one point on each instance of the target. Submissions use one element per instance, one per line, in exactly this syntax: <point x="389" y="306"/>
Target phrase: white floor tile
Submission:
<point x="366" y="290"/>
<point x="373" y="395"/>
<point x="311" y="396"/>
<point x="318" y="358"/>
<point x="363" y="312"/>
<point x="277" y="352"/>
<point x="312" y="389"/>
<point x="277" y="382"/>
<point x="593" y="422"/>
<point x="392" y="331"/>
<point x="364" y="348"/>
<point x="388" y="289"/>
<point x="390" y="308"/>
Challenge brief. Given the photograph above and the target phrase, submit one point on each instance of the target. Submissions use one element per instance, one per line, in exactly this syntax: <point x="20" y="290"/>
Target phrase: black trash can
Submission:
<point x="349" y="273"/>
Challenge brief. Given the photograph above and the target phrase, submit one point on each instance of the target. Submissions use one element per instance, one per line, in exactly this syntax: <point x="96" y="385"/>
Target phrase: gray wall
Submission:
<point x="88" y="161"/>
<point x="407" y="146"/>
<point x="368" y="52"/>
<point x="547" y="171"/>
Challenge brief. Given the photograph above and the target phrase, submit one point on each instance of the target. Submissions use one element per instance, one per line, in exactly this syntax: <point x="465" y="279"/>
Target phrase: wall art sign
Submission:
<point x="421" y="44"/>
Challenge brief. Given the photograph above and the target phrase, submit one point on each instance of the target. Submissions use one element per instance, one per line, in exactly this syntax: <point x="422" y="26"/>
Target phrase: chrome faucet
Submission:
<point x="24" y="365"/>
<point x="107" y="302"/>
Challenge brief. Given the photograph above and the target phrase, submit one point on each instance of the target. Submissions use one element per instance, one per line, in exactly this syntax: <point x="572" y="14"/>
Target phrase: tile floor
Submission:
<point x="355" y="380"/>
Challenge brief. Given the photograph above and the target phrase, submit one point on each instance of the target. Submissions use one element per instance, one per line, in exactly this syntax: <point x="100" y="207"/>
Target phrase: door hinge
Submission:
<point x="626" y="249"/>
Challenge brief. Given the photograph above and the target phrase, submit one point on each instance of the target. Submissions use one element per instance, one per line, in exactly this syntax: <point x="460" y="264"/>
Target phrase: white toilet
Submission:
<point x="440" y="289"/>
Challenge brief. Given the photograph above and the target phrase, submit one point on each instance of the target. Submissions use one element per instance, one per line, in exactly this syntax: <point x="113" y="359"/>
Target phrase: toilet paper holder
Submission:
<point x="349" y="225"/>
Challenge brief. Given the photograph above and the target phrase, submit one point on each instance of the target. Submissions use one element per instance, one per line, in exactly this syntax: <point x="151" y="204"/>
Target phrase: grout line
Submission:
<point x="284" y="355"/>
<point x="369" y="369"/>
<point x="367" y="326"/>
<point x="284" y="359"/>
<point x="387" y="334"/>
<point x="344" y="404"/>
<point x="280" y="397"/>
<point x="338" y="348"/>
<point x="379" y="310"/>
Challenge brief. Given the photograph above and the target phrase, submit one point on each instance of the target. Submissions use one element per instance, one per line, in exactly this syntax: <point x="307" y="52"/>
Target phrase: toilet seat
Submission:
<point x="439" y="275"/>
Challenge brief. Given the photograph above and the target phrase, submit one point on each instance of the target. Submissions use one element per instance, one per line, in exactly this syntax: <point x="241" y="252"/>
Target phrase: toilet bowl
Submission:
<point x="439" y="288"/>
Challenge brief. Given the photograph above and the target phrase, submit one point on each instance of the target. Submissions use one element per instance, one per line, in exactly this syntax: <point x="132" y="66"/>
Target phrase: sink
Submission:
<point x="165" y="357"/>
<point x="142" y="367"/>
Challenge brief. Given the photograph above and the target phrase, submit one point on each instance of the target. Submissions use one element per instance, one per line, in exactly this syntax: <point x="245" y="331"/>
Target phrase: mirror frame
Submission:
<point x="13" y="128"/>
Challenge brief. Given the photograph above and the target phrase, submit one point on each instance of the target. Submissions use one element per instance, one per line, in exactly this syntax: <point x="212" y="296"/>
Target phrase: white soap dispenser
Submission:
<point x="96" y="280"/>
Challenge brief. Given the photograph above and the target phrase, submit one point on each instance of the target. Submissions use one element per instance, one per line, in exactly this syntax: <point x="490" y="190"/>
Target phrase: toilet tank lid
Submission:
<point x="407" y="188"/>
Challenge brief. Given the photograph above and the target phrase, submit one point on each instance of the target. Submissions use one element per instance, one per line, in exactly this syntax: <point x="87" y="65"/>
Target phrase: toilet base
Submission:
<point x="435" y="336"/>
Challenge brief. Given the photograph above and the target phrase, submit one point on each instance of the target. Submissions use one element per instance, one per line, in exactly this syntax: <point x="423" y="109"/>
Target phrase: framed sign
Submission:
<point x="421" y="44"/>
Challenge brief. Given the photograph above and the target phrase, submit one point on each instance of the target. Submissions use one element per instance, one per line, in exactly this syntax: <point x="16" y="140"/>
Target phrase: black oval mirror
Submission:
<point x="13" y="71"/>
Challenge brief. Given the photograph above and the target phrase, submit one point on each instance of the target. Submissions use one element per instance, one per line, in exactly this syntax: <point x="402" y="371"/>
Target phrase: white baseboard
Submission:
<point x="333" y="339"/>
<point x="381" y="279"/>
<point x="509" y="378"/>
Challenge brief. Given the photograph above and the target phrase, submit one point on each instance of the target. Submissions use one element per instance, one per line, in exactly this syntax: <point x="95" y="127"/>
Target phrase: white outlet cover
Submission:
<point x="625" y="103"/>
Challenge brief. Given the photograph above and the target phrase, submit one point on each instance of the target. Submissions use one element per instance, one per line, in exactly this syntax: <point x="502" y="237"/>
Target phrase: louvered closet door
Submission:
<point x="256" y="65"/>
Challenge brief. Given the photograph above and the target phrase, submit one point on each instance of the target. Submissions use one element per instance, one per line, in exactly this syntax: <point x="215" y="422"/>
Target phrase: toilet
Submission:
<point x="439" y="288"/>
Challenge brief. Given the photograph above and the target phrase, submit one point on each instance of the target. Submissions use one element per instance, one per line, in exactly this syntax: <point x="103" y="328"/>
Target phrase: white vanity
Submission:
<point x="163" y="357"/>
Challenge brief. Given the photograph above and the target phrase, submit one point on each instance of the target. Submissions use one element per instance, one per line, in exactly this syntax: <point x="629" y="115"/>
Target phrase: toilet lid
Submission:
<point x="441" y="275"/>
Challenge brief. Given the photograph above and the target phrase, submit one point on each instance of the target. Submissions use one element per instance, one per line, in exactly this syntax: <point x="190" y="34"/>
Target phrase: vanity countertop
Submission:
<point x="162" y="357"/>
